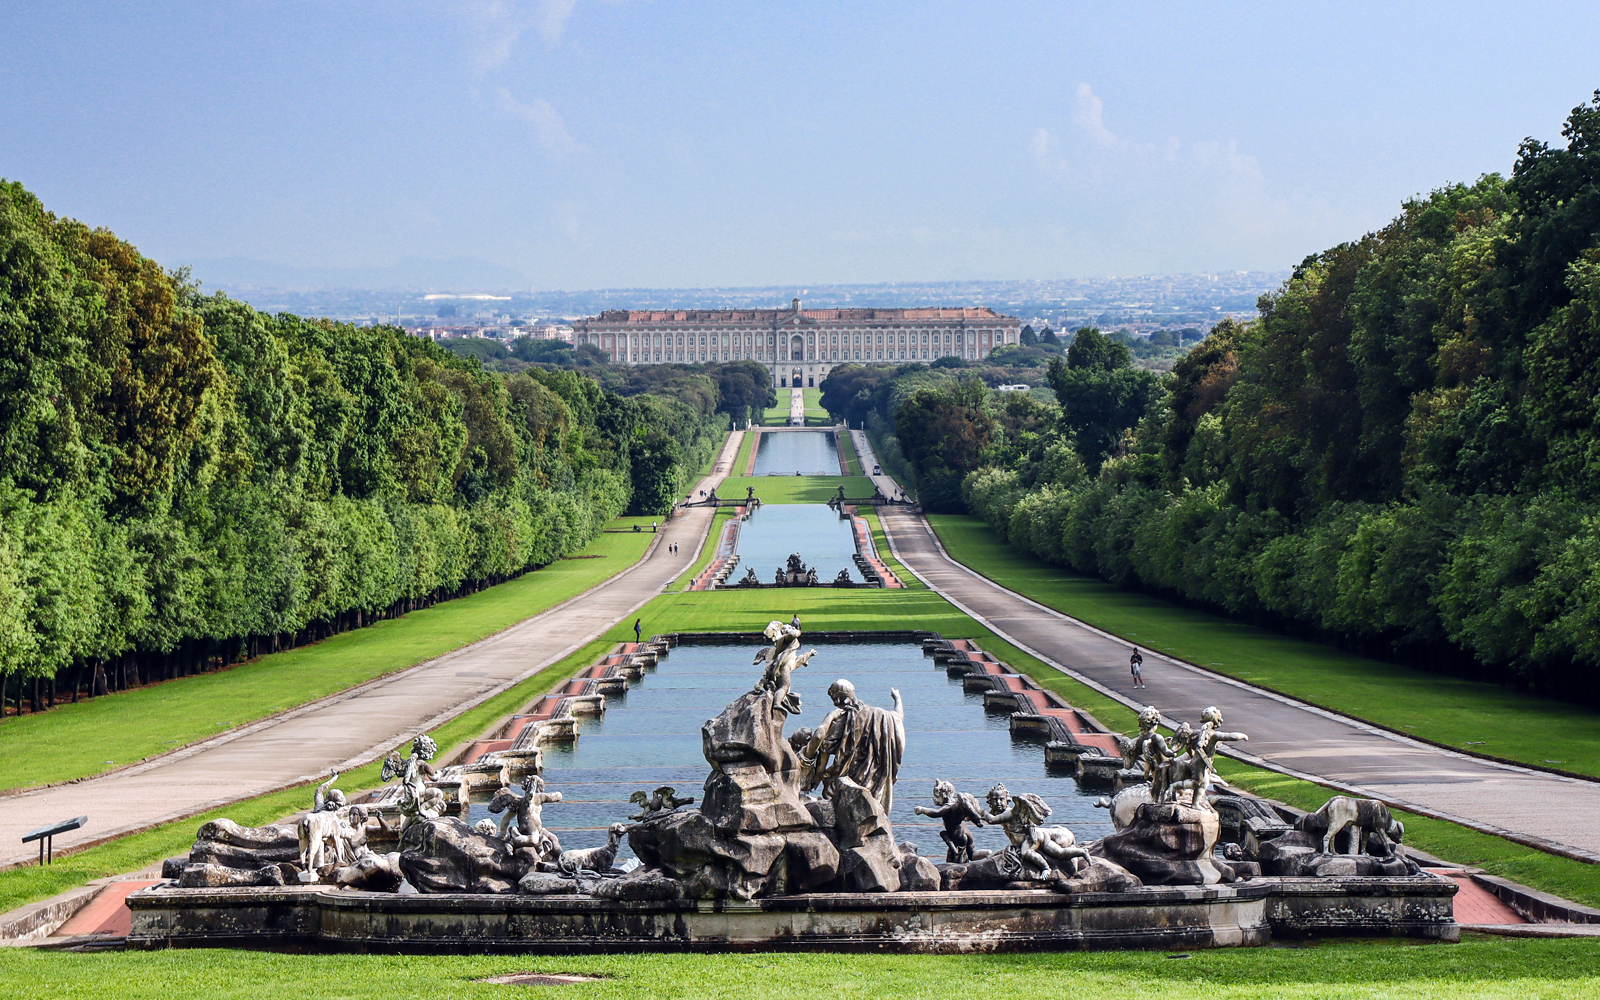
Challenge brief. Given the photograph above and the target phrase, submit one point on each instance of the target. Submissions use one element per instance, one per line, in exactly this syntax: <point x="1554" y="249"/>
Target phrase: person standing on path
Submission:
<point x="638" y="630"/>
<point x="1134" y="663"/>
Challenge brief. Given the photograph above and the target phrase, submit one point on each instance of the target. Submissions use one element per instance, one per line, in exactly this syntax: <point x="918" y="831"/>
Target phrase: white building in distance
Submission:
<point x="799" y="346"/>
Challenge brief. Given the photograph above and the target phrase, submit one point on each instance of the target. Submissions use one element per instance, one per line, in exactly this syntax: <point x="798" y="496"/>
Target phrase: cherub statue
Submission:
<point x="1149" y="750"/>
<point x="1022" y="819"/>
<point x="1185" y="772"/>
<point x="956" y="810"/>
<point x="662" y="801"/>
<point x="782" y="658"/>
<point x="415" y="802"/>
<point x="526" y="810"/>
<point x="1206" y="746"/>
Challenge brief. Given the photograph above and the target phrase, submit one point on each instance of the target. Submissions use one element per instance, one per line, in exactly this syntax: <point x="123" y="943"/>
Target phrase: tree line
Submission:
<point x="1400" y="455"/>
<point x="185" y="481"/>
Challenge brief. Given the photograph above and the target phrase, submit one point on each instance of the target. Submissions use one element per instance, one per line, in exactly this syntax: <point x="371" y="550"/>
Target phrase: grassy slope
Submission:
<point x="1476" y="968"/>
<point x="796" y="489"/>
<point x="97" y="734"/>
<point x="741" y="461"/>
<point x="852" y="461"/>
<point x="881" y="543"/>
<point x="20" y="886"/>
<point x="1446" y="710"/>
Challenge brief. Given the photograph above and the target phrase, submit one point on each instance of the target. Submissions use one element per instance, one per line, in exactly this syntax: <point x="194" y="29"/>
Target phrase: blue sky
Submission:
<point x="609" y="144"/>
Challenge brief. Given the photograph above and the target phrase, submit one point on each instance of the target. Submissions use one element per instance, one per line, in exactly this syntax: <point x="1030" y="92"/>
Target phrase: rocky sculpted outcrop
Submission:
<point x="1167" y="844"/>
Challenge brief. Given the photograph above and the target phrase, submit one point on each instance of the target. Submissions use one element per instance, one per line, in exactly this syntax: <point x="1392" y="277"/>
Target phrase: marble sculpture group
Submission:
<point x="807" y="812"/>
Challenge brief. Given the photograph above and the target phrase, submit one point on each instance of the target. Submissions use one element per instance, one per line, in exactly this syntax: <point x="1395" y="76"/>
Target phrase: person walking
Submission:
<point x="638" y="630"/>
<point x="1134" y="663"/>
<point x="795" y="621"/>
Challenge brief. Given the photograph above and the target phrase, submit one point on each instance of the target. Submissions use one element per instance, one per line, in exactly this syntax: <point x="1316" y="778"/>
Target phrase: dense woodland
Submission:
<point x="185" y="481"/>
<point x="1401" y="455"/>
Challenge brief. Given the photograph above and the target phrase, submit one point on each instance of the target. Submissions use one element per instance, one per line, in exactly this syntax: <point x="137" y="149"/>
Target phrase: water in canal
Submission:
<point x="814" y="530"/>
<point x="651" y="737"/>
<point x="810" y="453"/>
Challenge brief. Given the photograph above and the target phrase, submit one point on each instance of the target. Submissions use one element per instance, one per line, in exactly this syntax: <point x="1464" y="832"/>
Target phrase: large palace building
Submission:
<point x="799" y="346"/>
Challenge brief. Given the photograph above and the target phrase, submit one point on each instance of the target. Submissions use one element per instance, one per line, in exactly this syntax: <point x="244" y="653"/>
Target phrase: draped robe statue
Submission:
<point x="858" y="742"/>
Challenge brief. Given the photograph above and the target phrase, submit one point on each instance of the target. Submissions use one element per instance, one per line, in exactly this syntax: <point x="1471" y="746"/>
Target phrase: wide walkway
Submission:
<point x="362" y="723"/>
<point x="1530" y="807"/>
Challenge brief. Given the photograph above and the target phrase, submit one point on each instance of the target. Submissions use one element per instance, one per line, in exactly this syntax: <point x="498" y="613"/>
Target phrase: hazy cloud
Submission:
<point x="495" y="26"/>
<point x="1088" y="112"/>
<point x="548" y="127"/>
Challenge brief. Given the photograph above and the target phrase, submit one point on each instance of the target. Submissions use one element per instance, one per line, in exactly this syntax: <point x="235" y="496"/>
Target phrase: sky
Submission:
<point x="574" y="144"/>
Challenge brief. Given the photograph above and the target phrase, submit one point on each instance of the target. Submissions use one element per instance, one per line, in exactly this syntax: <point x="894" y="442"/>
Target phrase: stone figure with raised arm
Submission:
<point x="1032" y="843"/>
<point x="783" y="658"/>
<point x="956" y="810"/>
<point x="332" y="832"/>
<point x="1206" y="746"/>
<point x="526" y="811"/>
<point x="856" y="741"/>
<point x="417" y="801"/>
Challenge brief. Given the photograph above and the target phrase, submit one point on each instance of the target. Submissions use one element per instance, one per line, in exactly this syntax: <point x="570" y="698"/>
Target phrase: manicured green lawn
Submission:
<point x="19" y="886"/>
<point x="97" y="734"/>
<point x="1467" y="715"/>
<point x="795" y="489"/>
<point x="852" y="461"/>
<point x="1479" y="967"/>
<point x="881" y="543"/>
<point x="741" y="461"/>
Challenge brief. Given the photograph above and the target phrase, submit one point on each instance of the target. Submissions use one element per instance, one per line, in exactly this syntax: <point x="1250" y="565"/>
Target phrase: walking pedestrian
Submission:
<point x="795" y="621"/>
<point x="638" y="630"/>
<point x="1134" y="663"/>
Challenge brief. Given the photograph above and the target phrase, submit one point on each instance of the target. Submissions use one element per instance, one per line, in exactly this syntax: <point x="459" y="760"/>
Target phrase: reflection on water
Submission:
<point x="769" y="535"/>
<point x="651" y="737"/>
<point x="810" y="453"/>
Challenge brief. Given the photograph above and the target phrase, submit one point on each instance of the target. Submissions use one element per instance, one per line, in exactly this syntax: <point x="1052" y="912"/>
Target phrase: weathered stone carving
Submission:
<point x="782" y="658"/>
<point x="653" y="804"/>
<point x="1167" y="843"/>
<point x="1148" y="751"/>
<point x="956" y="810"/>
<point x="443" y="854"/>
<point x="856" y="741"/>
<point x="1032" y="843"/>
<point x="1368" y="822"/>
<point x="416" y="803"/>
<point x="524" y="813"/>
<point x="593" y="859"/>
<point x="333" y="832"/>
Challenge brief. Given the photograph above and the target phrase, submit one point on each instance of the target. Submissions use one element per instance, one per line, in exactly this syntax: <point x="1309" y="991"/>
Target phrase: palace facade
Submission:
<point x="799" y="346"/>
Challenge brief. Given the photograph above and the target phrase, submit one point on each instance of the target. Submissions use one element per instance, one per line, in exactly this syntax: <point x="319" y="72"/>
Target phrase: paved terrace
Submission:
<point x="1530" y="807"/>
<point x="357" y="725"/>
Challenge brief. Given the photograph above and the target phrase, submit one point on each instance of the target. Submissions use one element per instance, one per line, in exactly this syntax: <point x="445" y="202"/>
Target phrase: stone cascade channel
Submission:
<point x="651" y="737"/>
<point x="822" y="538"/>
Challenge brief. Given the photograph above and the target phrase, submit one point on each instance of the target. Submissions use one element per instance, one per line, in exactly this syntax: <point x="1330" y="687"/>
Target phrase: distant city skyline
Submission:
<point x="569" y="144"/>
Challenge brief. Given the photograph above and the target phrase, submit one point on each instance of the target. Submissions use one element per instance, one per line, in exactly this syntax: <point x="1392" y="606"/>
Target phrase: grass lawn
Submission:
<point x="1446" y="710"/>
<point x="852" y="461"/>
<point x="1479" y="967"/>
<point x="881" y="543"/>
<point x="97" y="734"/>
<point x="19" y="886"/>
<point x="741" y="460"/>
<point x="795" y="489"/>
